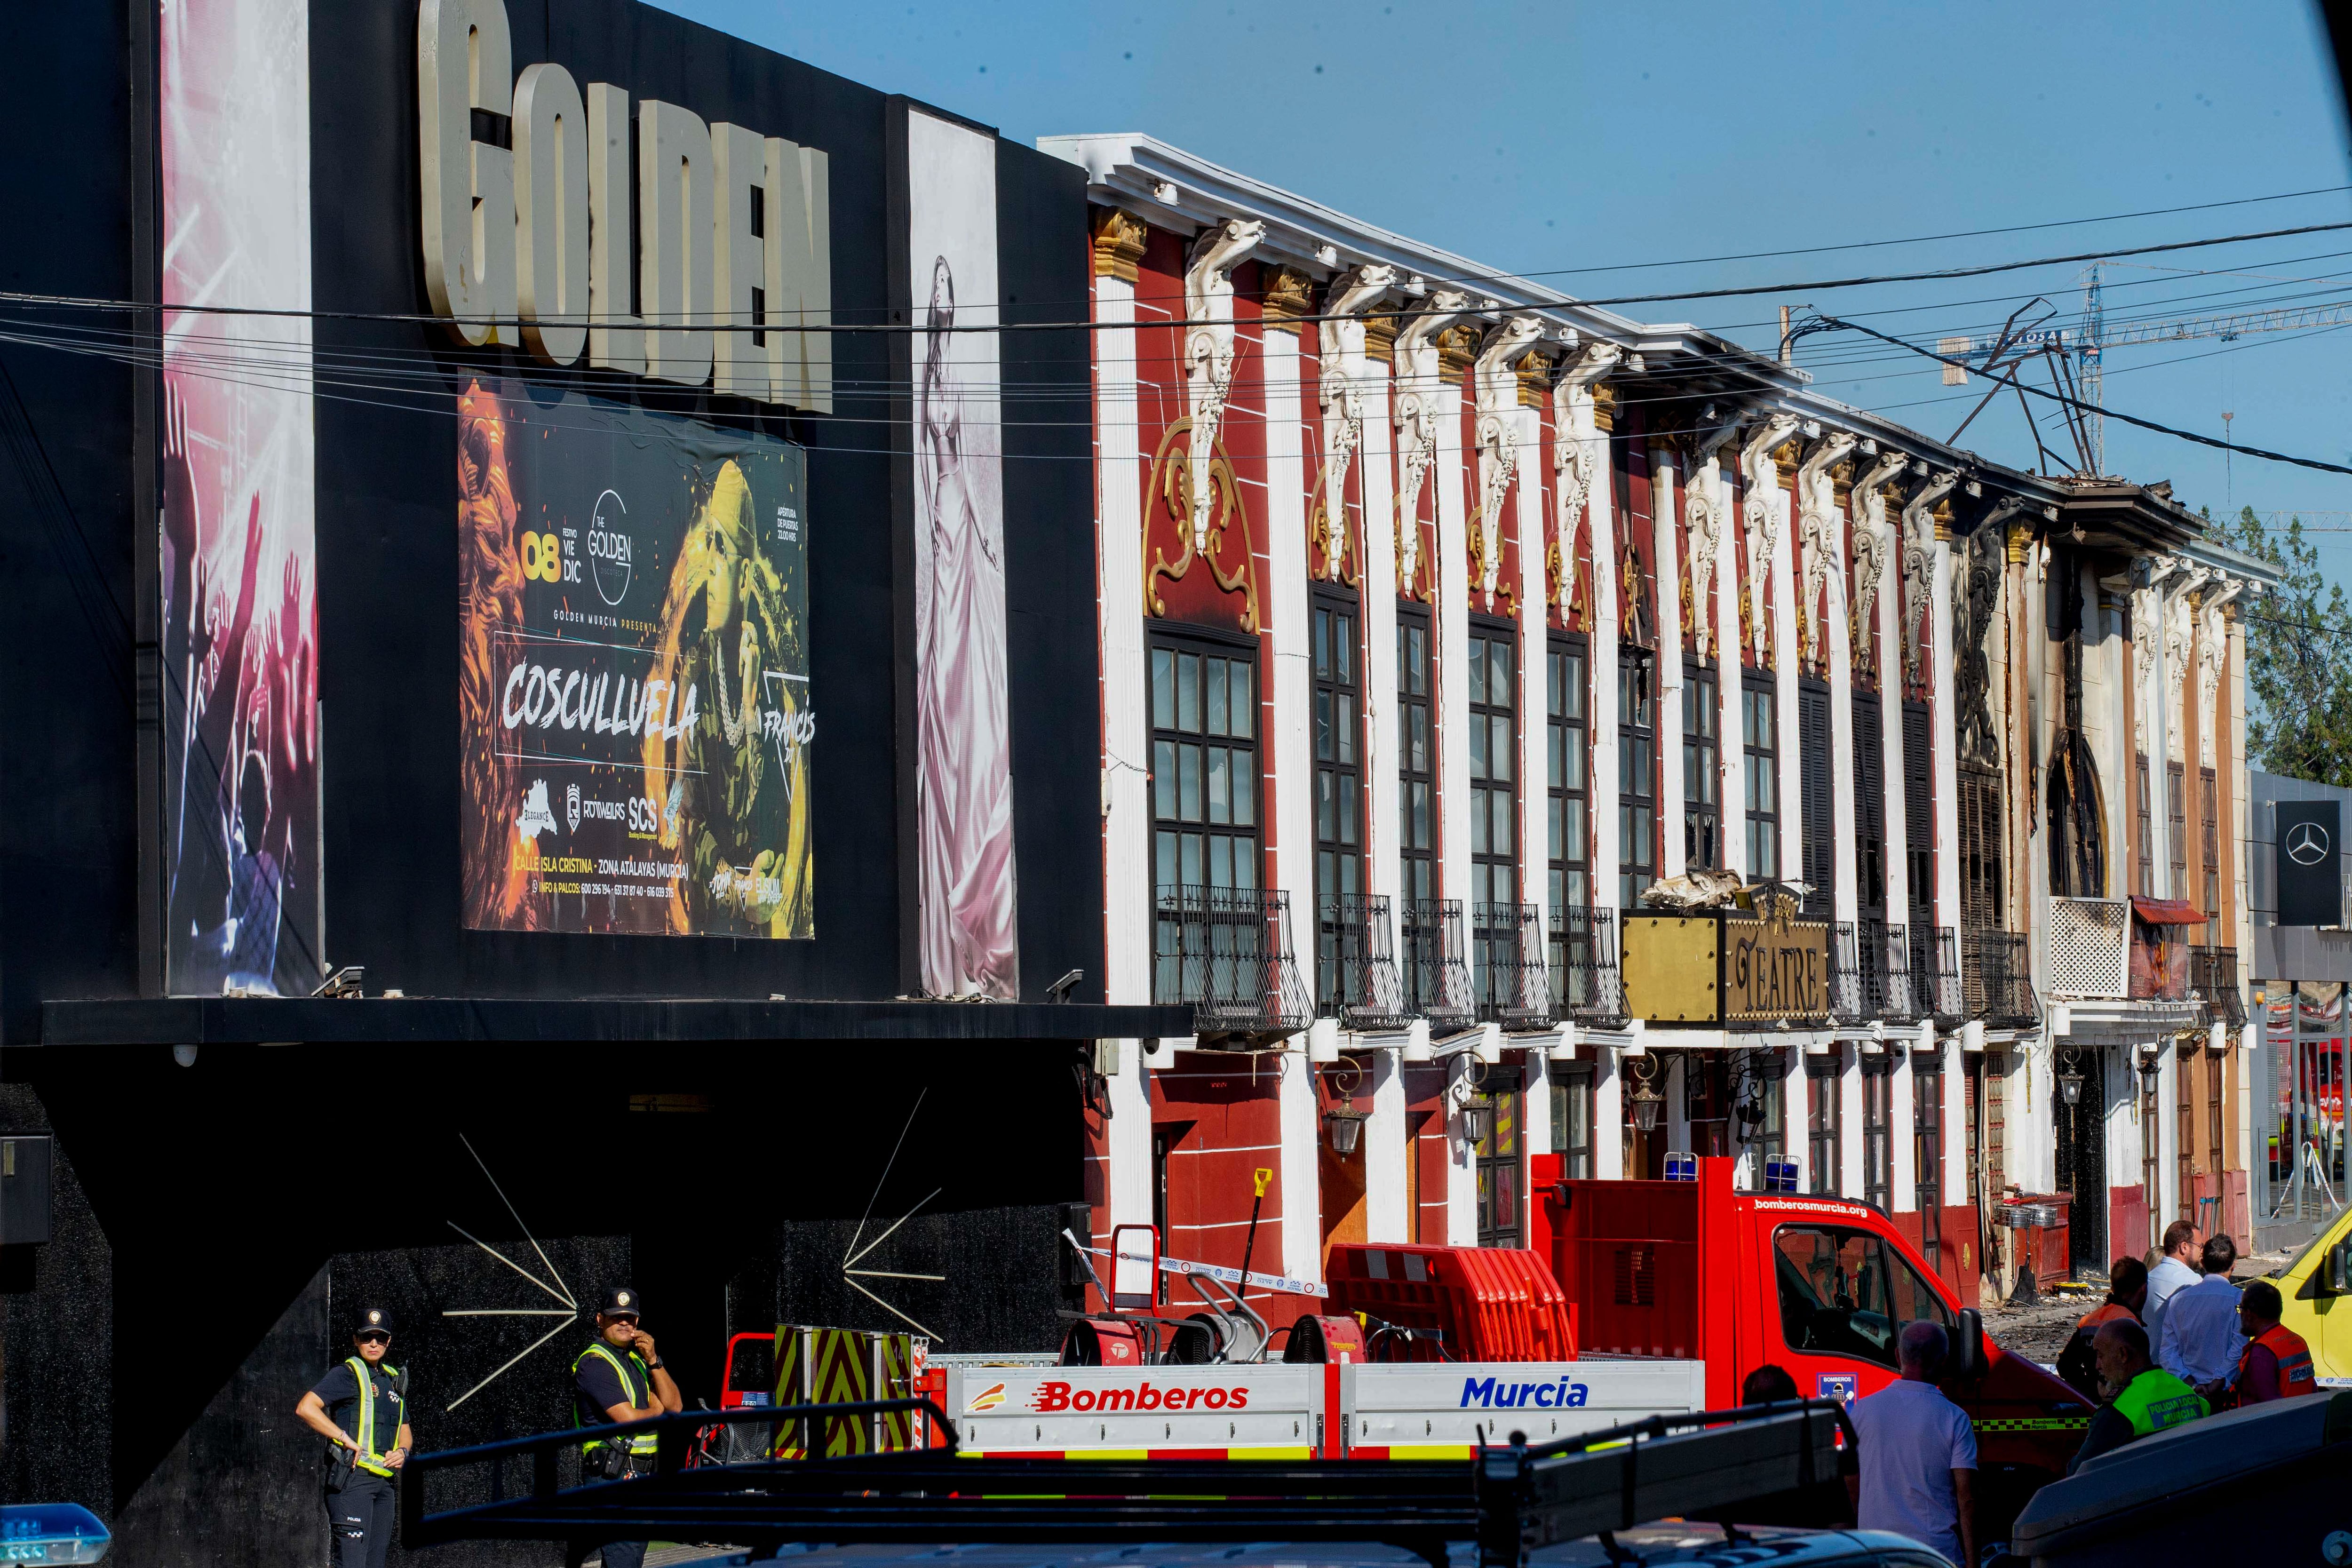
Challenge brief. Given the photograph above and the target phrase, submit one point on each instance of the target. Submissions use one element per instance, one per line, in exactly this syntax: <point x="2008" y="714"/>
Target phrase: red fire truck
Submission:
<point x="1820" y="1286"/>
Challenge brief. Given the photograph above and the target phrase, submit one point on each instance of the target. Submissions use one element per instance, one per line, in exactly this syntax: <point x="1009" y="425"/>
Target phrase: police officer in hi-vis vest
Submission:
<point x="620" y="1378"/>
<point x="361" y="1408"/>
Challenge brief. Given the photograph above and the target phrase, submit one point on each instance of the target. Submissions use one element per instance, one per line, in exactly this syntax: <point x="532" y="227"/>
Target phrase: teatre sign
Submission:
<point x="530" y="246"/>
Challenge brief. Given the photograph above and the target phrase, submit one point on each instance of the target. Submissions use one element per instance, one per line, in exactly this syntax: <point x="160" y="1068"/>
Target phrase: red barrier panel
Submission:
<point x="1489" y="1303"/>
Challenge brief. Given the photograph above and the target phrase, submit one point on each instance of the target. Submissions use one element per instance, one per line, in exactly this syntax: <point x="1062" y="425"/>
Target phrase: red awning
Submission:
<point x="2167" y="912"/>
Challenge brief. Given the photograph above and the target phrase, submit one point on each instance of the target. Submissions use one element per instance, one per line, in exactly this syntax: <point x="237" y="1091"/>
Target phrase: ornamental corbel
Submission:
<point x="1918" y="563"/>
<point x="2211" y="645"/>
<point x="1208" y="352"/>
<point x="1816" y="537"/>
<point x="1417" y="384"/>
<point x="2179" y="649"/>
<point x="2148" y="574"/>
<point x="1575" y="449"/>
<point x="1341" y="335"/>
<point x="1870" y="546"/>
<point x="1495" y="381"/>
<point x="1761" y="477"/>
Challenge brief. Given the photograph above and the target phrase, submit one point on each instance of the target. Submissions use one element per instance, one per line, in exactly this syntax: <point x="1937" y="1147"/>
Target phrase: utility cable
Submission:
<point x="1831" y="323"/>
<point x="909" y="329"/>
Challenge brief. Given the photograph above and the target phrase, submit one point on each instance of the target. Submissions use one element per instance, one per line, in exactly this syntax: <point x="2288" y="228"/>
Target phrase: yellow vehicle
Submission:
<point x="2317" y="1294"/>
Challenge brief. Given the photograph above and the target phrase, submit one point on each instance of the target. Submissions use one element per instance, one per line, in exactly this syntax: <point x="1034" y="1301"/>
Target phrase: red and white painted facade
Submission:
<point x="1294" y="410"/>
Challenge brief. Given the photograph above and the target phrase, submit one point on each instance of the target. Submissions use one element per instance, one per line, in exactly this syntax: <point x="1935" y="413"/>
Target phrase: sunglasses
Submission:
<point x="373" y="1339"/>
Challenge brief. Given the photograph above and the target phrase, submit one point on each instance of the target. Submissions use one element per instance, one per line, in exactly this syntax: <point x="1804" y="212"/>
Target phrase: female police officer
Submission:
<point x="361" y="1408"/>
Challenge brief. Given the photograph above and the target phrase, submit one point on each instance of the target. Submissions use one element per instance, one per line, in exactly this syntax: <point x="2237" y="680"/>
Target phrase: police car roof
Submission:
<point x="2140" y="1484"/>
<point x="1657" y="1545"/>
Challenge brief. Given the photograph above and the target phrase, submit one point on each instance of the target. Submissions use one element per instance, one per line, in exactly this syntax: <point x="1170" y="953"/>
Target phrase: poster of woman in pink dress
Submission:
<point x="963" y="743"/>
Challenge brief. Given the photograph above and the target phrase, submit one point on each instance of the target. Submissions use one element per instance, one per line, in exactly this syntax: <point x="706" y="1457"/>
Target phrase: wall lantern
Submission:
<point x="1343" y="1124"/>
<point x="1645" y="1095"/>
<point x="2152" y="1069"/>
<point x="1477" y="1120"/>
<point x="2070" y="1082"/>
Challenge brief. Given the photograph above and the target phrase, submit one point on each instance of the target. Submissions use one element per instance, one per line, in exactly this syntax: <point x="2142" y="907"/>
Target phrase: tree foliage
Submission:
<point x="2298" y="660"/>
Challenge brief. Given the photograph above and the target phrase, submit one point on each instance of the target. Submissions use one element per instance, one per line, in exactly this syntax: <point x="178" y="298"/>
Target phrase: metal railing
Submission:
<point x="1845" y="974"/>
<point x="2090" y="948"/>
<point x="1935" y="975"/>
<point x="1507" y="965"/>
<point x="1887" y="970"/>
<point x="1998" y="983"/>
<point x="1436" y="979"/>
<point x="1355" y="965"/>
<point x="2213" y="977"/>
<point x="1226" y="953"/>
<point x="1586" y="985"/>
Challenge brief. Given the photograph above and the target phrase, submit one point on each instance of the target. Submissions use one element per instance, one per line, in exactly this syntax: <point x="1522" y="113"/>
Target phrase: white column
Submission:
<point x="1890" y="611"/>
<point x="2159" y="755"/>
<point x="1795" y="1124"/>
<point x="1126" y="803"/>
<point x="1461" y="1167"/>
<point x="1785" y="659"/>
<point x="1956" y="1121"/>
<point x="2166" y="1133"/>
<point x="1729" y="737"/>
<point x="1601" y="509"/>
<point x="1838" y="645"/>
<point x="1903" y="1162"/>
<point x="1527" y="523"/>
<point x="1386" y="1186"/>
<point x="1302" y="1179"/>
<point x="1850" y="1134"/>
<point x="1383" y="744"/>
<point x="1943" y="725"/>
<point x="1536" y="1125"/>
<point x="1452" y="616"/>
<point x="1284" y="614"/>
<point x="1670" y="696"/>
<point x="1608" y="1115"/>
<point x="1677" y="1091"/>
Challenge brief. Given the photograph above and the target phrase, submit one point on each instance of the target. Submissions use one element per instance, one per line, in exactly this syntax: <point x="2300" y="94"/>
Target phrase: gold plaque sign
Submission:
<point x="1774" y="970"/>
<point x="1728" y="971"/>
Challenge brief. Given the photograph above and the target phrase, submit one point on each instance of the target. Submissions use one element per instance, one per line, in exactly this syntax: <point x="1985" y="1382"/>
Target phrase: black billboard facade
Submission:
<point x="589" y="824"/>
<point x="2309" y="850"/>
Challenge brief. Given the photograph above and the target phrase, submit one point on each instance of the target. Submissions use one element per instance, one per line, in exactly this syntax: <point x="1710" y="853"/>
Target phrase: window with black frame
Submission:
<point x="1637" y="788"/>
<point x="1499" y="1223"/>
<point x="1339" y="793"/>
<point x="1759" y="737"/>
<point x="1823" y="1175"/>
<point x="1757" y="1113"/>
<point x="1416" y="759"/>
<point x="1205" y="791"/>
<point x="1702" y="768"/>
<point x="1568" y="768"/>
<point x="1848" y="1292"/>
<point x="2209" y="800"/>
<point x="1494" y="747"/>
<point x="1571" y="1118"/>
<point x="2176" y="796"/>
<point x="1927" y="1153"/>
<point x="2144" y="880"/>
<point x="1878" y="1131"/>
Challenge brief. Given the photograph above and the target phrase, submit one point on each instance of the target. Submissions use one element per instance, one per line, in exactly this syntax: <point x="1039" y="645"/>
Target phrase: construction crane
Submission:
<point x="2086" y="345"/>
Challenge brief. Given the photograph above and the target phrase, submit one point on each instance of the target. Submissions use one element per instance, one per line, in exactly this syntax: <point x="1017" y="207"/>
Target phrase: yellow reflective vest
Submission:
<point x="370" y="1456"/>
<point x="639" y="1388"/>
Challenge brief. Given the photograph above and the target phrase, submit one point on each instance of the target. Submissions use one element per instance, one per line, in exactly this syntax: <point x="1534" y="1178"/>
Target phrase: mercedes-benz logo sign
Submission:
<point x="2306" y="843"/>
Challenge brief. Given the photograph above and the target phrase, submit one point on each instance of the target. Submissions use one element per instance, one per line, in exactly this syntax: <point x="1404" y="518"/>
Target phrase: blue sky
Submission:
<point x="1584" y="136"/>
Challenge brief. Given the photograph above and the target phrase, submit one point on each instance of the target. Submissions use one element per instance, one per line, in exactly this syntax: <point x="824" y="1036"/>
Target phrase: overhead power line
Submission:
<point x="902" y="329"/>
<point x="1819" y="322"/>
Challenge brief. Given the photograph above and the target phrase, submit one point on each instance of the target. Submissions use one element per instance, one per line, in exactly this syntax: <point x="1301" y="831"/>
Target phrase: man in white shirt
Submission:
<point x="1919" y="1452"/>
<point x="2201" y="1340"/>
<point x="2177" y="1271"/>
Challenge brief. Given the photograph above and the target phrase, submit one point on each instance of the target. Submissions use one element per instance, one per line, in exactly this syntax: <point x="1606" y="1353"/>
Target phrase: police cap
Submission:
<point x="372" y="1320"/>
<point x="621" y="1301"/>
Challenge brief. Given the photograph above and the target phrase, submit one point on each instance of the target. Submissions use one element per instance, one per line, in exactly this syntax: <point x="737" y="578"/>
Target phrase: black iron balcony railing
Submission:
<point x="1507" y="965"/>
<point x="1436" y="979"/>
<point x="1998" y="984"/>
<point x="1586" y="985"/>
<point x="1845" y="975"/>
<point x="1355" y="965"/>
<point x="1887" y="970"/>
<point x="1227" y="952"/>
<point x="1935" y="975"/>
<point x="2213" y="977"/>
